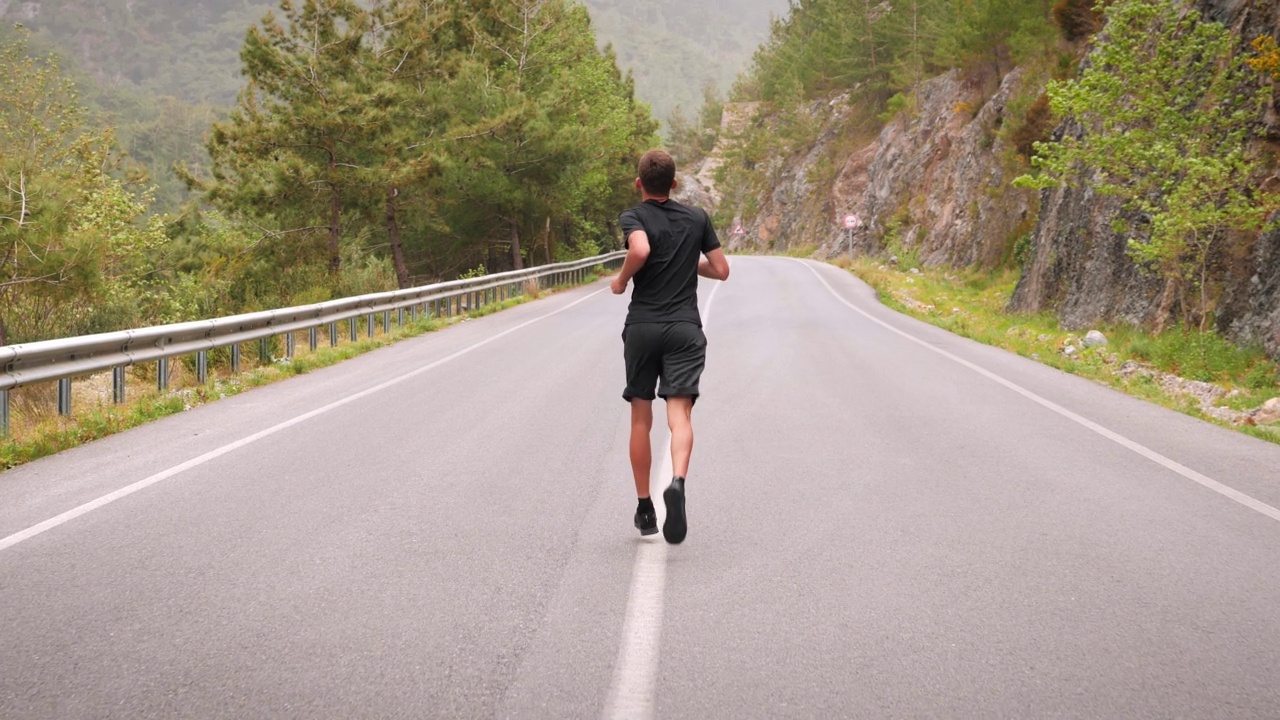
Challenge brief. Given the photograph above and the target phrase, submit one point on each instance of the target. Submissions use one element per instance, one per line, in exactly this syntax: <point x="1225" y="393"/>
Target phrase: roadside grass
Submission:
<point x="38" y="431"/>
<point x="972" y="304"/>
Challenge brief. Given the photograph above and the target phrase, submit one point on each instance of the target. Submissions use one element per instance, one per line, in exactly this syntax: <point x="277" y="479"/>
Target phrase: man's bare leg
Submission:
<point x="641" y="453"/>
<point x="680" y="420"/>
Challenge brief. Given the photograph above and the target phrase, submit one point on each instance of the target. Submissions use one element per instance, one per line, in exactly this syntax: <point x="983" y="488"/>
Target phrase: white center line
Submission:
<point x="633" y="692"/>
<point x="92" y="505"/>
<point x="633" y="695"/>
<point x="1144" y="451"/>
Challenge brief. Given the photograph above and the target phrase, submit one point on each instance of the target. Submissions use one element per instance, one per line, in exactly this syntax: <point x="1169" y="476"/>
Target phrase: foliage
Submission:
<point x="1266" y="57"/>
<point x="1166" y="110"/>
<point x="1078" y="19"/>
<point x="881" y="48"/>
<point x="431" y="133"/>
<point x="74" y="250"/>
<point x="1035" y="128"/>
<point x="689" y="140"/>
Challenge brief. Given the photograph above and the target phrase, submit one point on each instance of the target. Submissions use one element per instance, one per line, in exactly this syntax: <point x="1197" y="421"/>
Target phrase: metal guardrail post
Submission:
<point x="386" y="322"/>
<point x="117" y="385"/>
<point x="333" y="334"/>
<point x="64" y="397"/>
<point x="413" y="313"/>
<point x="162" y="374"/>
<point x="202" y="367"/>
<point x="313" y="338"/>
<point x="368" y="325"/>
<point x="400" y="317"/>
<point x="235" y="358"/>
<point x="4" y="413"/>
<point x="264" y="351"/>
<point x="290" y="344"/>
<point x="353" y="326"/>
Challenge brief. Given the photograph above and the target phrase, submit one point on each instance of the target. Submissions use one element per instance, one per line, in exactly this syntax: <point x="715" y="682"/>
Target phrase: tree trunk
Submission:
<point x="613" y="233"/>
<point x="1165" y="311"/>
<point x="516" y="260"/>
<point x="335" y="219"/>
<point x="334" y="247"/>
<point x="4" y="333"/>
<point x="869" y="14"/>
<point x="397" y="247"/>
<point x="546" y="241"/>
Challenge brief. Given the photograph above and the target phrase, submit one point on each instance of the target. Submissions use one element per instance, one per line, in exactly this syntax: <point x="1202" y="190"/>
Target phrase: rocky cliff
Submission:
<point x="1078" y="266"/>
<point x="936" y="182"/>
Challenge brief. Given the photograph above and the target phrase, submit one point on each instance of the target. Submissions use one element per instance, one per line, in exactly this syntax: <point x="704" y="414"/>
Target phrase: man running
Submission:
<point x="663" y="338"/>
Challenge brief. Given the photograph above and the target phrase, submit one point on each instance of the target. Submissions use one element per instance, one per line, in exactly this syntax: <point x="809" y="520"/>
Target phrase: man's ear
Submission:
<point x="639" y="185"/>
<point x="674" y="183"/>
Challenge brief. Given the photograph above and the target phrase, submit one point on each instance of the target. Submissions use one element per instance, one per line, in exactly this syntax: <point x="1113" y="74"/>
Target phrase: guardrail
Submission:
<point x="66" y="358"/>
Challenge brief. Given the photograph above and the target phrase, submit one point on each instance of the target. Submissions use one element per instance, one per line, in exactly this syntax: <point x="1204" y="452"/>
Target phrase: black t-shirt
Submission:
<point x="667" y="286"/>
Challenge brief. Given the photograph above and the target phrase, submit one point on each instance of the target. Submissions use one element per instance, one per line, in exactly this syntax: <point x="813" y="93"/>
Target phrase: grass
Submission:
<point x="38" y="431"/>
<point x="972" y="304"/>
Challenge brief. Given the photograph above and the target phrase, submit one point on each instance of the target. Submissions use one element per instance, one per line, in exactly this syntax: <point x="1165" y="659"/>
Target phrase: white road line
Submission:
<point x="633" y="691"/>
<point x="92" y="505"/>
<point x="632" y="695"/>
<point x="1144" y="451"/>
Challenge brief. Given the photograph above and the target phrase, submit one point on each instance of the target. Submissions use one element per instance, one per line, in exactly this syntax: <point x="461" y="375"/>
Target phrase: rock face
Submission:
<point x="933" y="184"/>
<point x="934" y="177"/>
<point x="932" y="181"/>
<point x="1078" y="265"/>
<point x="796" y="211"/>
<point x="697" y="184"/>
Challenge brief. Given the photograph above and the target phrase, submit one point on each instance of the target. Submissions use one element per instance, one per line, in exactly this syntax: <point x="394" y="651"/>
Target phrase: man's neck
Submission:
<point x="645" y="197"/>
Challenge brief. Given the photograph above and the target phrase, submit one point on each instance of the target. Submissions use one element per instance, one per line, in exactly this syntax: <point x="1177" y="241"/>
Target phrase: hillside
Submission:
<point x="929" y="166"/>
<point x="189" y="49"/>
<point x="677" y="47"/>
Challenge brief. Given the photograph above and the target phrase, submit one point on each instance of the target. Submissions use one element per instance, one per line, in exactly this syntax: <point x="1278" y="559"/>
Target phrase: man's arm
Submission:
<point x="714" y="266"/>
<point x="637" y="254"/>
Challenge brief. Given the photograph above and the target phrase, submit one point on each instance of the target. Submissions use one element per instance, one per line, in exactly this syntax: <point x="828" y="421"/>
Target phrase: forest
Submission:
<point x="368" y="145"/>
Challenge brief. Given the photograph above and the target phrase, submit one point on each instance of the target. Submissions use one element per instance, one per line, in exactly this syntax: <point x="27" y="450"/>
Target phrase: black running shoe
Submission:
<point x="675" y="528"/>
<point x="646" y="522"/>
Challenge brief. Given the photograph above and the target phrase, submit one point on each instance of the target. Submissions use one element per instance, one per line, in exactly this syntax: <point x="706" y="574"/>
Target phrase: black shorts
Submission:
<point x="675" y="352"/>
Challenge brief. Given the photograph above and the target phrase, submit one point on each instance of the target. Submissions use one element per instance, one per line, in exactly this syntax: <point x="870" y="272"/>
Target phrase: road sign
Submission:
<point x="739" y="231"/>
<point x="852" y="221"/>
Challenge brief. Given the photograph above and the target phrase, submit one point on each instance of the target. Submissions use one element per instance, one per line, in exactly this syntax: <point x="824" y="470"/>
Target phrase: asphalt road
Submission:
<point x="886" y="521"/>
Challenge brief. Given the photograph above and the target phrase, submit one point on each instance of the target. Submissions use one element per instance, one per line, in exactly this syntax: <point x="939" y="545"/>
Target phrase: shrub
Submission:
<point x="1078" y="19"/>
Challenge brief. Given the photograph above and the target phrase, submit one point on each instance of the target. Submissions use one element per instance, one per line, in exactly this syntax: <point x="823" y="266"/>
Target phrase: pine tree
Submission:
<point x="286" y="157"/>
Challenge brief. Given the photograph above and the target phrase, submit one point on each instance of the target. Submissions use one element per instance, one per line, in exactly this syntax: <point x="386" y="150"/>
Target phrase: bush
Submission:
<point x="1077" y="19"/>
<point x="1035" y="127"/>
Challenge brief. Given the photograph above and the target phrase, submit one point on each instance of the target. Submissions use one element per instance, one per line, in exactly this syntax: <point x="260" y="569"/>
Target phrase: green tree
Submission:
<point x="1166" y="110"/>
<point x="73" y="256"/>
<point x="287" y="156"/>
<point x="548" y="128"/>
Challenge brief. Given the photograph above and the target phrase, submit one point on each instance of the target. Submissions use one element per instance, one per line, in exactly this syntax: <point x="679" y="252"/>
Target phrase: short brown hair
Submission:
<point x="657" y="172"/>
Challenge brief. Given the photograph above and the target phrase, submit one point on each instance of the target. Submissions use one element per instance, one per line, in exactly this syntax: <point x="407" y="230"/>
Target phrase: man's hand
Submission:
<point x="618" y="285"/>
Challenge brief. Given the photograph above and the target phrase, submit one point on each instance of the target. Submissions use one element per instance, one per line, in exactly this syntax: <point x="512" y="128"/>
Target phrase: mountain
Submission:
<point x="189" y="49"/>
<point x="675" y="48"/>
